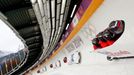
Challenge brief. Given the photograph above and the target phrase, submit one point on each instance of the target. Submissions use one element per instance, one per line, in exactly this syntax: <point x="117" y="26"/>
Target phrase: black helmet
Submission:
<point x="107" y="35"/>
<point x="95" y="41"/>
<point x="100" y="37"/>
<point x="116" y="27"/>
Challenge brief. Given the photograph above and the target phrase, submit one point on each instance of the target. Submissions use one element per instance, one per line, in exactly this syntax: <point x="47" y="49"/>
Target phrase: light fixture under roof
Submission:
<point x="73" y="10"/>
<point x="58" y="11"/>
<point x="53" y="22"/>
<point x="61" y="18"/>
<point x="63" y="6"/>
<point x="67" y="26"/>
<point x="59" y="30"/>
<point x="53" y="7"/>
<point x="52" y="32"/>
